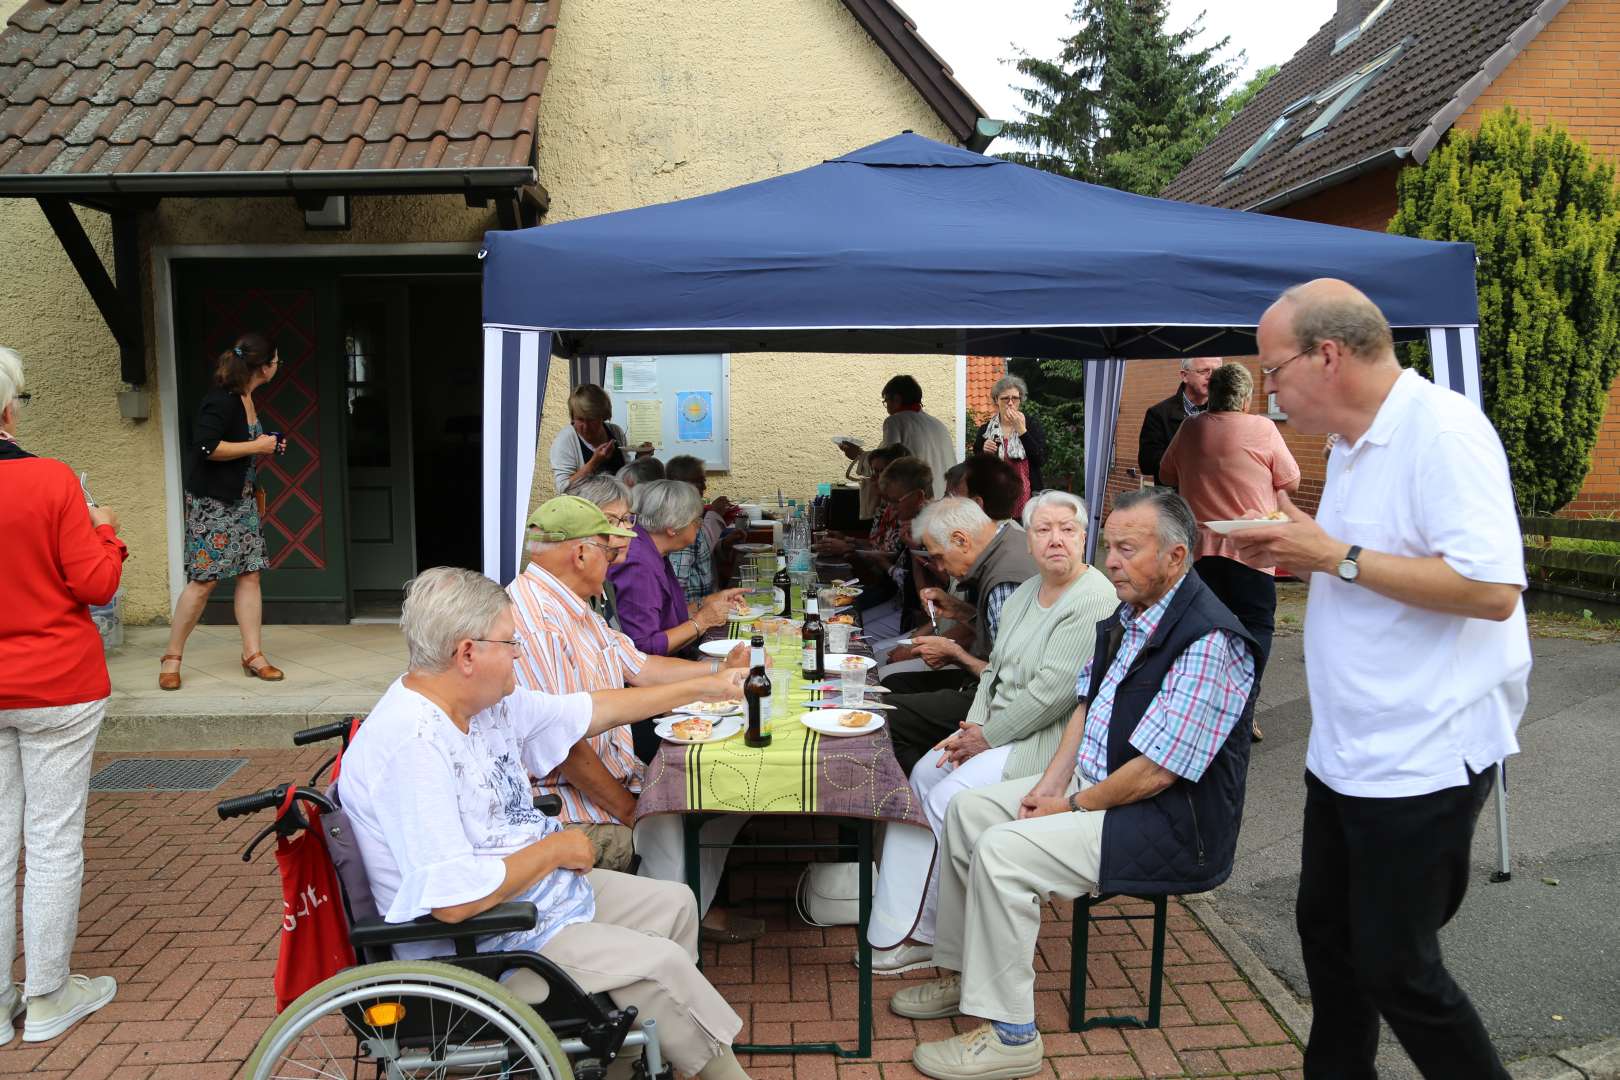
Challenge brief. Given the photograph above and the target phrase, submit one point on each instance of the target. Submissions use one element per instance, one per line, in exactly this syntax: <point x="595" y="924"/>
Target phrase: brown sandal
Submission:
<point x="169" y="680"/>
<point x="269" y="673"/>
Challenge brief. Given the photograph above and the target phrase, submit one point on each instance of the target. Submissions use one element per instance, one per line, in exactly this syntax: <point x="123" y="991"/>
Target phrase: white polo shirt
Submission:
<point x="1403" y="697"/>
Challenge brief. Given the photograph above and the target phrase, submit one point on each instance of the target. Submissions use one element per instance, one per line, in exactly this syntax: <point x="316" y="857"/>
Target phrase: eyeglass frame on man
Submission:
<point x="1270" y="372"/>
<point x="24" y="398"/>
<point x="511" y="643"/>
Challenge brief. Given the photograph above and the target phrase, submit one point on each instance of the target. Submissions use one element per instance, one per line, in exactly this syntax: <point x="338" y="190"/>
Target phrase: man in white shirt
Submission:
<point x="436" y="786"/>
<point x="1418" y="661"/>
<point x="923" y="435"/>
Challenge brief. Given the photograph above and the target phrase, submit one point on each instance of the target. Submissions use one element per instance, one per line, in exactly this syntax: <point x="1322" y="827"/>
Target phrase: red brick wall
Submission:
<point x="1367" y="202"/>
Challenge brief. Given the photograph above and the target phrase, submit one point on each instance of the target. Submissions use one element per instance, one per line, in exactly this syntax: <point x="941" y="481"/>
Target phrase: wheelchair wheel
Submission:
<point x="408" y="1019"/>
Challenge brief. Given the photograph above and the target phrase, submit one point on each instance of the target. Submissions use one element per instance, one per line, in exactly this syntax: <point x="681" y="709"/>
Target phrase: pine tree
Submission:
<point x="1544" y="218"/>
<point x="1125" y="104"/>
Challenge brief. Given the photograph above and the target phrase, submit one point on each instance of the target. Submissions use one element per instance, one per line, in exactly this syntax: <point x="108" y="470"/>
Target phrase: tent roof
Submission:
<point x="910" y="245"/>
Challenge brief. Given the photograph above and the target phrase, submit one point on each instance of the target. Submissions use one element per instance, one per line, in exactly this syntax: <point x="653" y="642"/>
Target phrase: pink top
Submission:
<point x="1225" y="464"/>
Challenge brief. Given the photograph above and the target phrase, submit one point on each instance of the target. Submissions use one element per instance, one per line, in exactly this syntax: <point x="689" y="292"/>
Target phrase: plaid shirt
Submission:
<point x="1192" y="714"/>
<point x="694" y="568"/>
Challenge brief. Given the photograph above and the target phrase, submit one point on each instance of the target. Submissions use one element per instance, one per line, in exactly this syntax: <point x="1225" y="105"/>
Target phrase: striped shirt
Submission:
<point x="1192" y="714"/>
<point x="568" y="648"/>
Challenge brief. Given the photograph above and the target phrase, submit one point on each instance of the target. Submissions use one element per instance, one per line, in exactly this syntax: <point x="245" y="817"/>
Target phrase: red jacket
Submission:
<point x="53" y="565"/>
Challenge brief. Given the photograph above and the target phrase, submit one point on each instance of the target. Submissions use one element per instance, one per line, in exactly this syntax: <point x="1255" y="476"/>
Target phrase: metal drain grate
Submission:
<point x="165" y="774"/>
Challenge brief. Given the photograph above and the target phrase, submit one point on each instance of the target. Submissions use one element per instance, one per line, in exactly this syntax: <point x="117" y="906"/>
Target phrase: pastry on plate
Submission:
<point x="848" y="620"/>
<point x="856" y="719"/>
<point x="715" y="706"/>
<point x="693" y="728"/>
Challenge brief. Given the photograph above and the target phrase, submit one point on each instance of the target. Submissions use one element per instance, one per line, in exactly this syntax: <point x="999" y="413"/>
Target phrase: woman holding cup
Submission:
<point x="224" y="536"/>
<point x="1013" y="436"/>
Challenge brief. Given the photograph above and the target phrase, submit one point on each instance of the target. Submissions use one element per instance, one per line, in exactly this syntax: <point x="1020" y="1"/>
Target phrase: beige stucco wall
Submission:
<point x="645" y="103"/>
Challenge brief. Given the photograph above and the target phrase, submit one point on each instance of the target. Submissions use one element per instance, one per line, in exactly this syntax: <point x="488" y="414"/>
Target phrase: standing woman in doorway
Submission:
<point x="224" y="537"/>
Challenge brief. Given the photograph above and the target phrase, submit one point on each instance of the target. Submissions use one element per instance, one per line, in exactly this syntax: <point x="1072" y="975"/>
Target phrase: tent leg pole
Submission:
<point x="1504" y="871"/>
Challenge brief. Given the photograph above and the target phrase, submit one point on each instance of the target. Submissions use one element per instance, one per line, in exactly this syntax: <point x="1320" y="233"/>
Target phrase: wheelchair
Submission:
<point x="451" y="1016"/>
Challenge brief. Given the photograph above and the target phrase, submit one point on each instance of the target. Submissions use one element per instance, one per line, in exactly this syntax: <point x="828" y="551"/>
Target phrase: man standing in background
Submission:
<point x="924" y="435"/>
<point x="1162" y="421"/>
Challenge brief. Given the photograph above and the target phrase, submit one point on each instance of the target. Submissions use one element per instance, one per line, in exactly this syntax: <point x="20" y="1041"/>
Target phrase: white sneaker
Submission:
<point x="978" y="1055"/>
<point x="929" y="1000"/>
<point x="905" y="956"/>
<point x="12" y="1006"/>
<point x="52" y="1014"/>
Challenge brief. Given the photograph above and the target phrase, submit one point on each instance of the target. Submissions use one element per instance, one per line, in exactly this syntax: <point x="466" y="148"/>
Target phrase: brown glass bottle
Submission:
<point x="757" y="695"/>
<point x="814" y="636"/>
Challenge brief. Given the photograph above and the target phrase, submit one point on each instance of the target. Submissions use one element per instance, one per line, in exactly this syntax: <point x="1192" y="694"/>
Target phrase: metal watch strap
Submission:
<point x="1074" y="803"/>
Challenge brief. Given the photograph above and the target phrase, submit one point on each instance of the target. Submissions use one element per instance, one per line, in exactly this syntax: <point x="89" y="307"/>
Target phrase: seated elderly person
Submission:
<point x="988" y="561"/>
<point x="696" y="565"/>
<point x="568" y="648"/>
<point x="653" y="608"/>
<point x="994" y="485"/>
<point x="905" y="485"/>
<point x="436" y="787"/>
<point x="1012" y="723"/>
<point x="639" y="471"/>
<point x="1144" y="794"/>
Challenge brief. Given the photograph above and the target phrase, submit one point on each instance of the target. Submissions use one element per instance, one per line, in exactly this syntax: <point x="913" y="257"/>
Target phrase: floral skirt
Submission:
<point x="223" y="539"/>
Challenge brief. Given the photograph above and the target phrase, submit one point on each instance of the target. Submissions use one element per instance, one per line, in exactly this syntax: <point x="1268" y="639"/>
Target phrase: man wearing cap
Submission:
<point x="569" y="648"/>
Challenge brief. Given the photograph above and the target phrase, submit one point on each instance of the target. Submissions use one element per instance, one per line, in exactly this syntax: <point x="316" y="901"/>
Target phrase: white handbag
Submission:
<point x="829" y="893"/>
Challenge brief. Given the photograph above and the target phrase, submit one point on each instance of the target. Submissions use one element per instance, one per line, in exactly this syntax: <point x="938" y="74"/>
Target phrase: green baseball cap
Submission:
<point x="569" y="517"/>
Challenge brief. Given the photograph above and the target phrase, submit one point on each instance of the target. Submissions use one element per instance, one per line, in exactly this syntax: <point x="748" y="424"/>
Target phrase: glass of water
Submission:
<point x="854" y="683"/>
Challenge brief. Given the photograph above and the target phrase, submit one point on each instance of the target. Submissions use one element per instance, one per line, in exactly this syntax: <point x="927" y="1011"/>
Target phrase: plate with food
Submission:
<point x="731" y="707"/>
<point x="842" y="722"/>
<point x="747" y="614"/>
<point x="722" y="648"/>
<point x="836" y="599"/>
<point x="1276" y="517"/>
<point x="698" y="729"/>
<point x="842" y="620"/>
<point x="837" y="661"/>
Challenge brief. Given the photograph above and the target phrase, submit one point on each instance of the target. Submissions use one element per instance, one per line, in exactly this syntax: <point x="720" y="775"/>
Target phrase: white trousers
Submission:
<point x="44" y="785"/>
<point x="995" y="872"/>
<point x="907" y="889"/>
<point x="661" y="843"/>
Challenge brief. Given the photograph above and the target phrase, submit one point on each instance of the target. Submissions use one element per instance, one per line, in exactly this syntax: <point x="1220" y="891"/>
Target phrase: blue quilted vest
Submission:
<point x="1183" y="839"/>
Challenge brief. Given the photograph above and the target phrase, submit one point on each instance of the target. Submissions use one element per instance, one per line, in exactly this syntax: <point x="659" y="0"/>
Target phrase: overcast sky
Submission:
<point x="974" y="44"/>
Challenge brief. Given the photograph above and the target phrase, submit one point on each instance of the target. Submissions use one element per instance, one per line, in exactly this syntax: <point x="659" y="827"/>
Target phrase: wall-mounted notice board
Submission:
<point x="680" y="404"/>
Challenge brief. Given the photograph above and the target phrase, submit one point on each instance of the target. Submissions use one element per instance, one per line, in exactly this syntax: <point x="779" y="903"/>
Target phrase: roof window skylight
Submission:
<point x="1345" y="39"/>
<point x="1346" y="90"/>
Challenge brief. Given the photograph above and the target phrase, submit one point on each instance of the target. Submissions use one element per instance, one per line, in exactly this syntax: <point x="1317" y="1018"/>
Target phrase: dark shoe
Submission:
<point x="738" y="929"/>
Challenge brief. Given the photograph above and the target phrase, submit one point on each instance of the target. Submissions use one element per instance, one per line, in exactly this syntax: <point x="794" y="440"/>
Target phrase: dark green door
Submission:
<point x="377" y="425"/>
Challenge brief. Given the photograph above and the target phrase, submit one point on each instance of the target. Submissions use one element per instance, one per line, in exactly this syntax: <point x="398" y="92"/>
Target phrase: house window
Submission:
<point x="1347" y="89"/>
<point x="1345" y="39"/>
<point x="1266" y="138"/>
<point x="1272" y="411"/>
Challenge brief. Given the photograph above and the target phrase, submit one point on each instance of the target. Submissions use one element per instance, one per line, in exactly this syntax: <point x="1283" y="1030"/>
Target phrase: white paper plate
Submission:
<point x="827" y="722"/>
<point x="834" y="662"/>
<point x="722" y="648"/>
<point x="689" y="710"/>
<point x="748" y="614"/>
<point x="839" y="704"/>
<point x="1226" y="527"/>
<point x="724" y="728"/>
<point x="849" y="439"/>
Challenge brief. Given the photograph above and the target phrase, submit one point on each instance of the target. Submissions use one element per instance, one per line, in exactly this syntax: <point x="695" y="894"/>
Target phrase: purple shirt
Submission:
<point x="649" y="595"/>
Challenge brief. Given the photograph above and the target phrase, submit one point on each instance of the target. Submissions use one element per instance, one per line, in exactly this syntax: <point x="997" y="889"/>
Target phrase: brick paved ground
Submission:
<point x="189" y="931"/>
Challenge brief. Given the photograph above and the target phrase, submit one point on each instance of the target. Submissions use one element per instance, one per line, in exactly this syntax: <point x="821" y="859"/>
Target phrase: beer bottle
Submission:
<point x="757" y="693"/>
<point x="815" y="639"/>
<point x="784" y="581"/>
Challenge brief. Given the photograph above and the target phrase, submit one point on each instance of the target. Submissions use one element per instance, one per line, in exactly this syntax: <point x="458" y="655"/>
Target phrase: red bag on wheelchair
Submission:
<point x="314" y="930"/>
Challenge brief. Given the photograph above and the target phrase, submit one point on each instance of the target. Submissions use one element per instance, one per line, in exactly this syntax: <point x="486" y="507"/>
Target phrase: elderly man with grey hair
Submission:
<point x="1011" y="723"/>
<point x="1162" y="421"/>
<point x="1144" y="794"/>
<point x="436" y="786"/>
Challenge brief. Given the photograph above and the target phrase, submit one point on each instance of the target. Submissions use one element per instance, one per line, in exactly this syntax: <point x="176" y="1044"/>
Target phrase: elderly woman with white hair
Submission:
<point x="1014" y="436"/>
<point x="1046" y="631"/>
<point x="653" y="609"/>
<point x="436" y="787"/>
<point x="61" y="556"/>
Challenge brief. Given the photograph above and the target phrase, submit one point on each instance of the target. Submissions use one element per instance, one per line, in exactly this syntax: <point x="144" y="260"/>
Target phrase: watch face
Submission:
<point x="1348" y="570"/>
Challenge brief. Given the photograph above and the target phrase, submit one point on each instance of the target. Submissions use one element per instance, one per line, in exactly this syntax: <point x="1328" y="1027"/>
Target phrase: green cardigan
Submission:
<point x="1026" y="695"/>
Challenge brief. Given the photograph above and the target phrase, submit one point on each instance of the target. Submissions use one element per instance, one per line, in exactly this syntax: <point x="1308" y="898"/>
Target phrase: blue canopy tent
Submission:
<point x="910" y="245"/>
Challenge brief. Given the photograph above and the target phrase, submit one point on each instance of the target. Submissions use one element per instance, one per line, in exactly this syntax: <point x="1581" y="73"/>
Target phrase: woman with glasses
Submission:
<point x="653" y="609"/>
<point x="1227" y="462"/>
<point x="224" y="535"/>
<point x="1013" y="436"/>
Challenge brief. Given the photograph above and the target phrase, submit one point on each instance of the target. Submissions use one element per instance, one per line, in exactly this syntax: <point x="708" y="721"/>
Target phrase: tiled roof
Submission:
<point x="982" y="373"/>
<point x="143" y="87"/>
<point x="1453" y="49"/>
<point x="896" y="34"/>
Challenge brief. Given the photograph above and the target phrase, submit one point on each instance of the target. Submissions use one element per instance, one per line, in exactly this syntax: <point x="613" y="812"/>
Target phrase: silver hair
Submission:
<point x="944" y="516"/>
<point x="1230" y="388"/>
<point x="666" y="504"/>
<point x="599" y="489"/>
<point x="11" y="378"/>
<point x="1010" y="382"/>
<point x="1353" y="321"/>
<point x="1188" y="361"/>
<point x="1176" y="524"/>
<point x="640" y="471"/>
<point x="444" y="606"/>
<point x="1054" y="497"/>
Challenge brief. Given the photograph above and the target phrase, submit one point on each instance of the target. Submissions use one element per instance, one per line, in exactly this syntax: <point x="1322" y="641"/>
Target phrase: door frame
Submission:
<point x="163" y="299"/>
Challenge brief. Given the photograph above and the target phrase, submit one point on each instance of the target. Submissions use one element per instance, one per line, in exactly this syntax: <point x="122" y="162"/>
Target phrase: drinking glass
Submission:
<point x="854" y="685"/>
<point x="838" y="637"/>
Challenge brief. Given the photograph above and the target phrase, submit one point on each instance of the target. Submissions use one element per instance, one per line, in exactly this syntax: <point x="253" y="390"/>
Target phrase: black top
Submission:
<point x="1159" y="426"/>
<point x="220" y="418"/>
<point x="1034" y="440"/>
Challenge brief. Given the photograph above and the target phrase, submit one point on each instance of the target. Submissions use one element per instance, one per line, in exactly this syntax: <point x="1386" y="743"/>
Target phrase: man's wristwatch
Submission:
<point x="1349" y="568"/>
<point x="1074" y="803"/>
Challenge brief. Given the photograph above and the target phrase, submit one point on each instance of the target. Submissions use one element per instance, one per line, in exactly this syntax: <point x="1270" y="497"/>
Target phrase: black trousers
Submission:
<point x="918" y="721"/>
<point x="1378" y="879"/>
<point x="918" y="682"/>
<point x="1249" y="594"/>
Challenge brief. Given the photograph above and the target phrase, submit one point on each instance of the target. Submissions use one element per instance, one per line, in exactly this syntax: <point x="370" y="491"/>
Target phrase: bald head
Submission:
<point x="1328" y="309"/>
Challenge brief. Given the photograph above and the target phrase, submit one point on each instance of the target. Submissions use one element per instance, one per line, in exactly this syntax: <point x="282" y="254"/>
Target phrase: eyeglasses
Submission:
<point x="25" y="398"/>
<point x="607" y="549"/>
<point x="1268" y="372"/>
<point x="516" y="646"/>
<point x="623" y="521"/>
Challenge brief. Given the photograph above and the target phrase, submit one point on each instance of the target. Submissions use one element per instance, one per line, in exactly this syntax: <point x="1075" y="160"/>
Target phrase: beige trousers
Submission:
<point x="612" y="841"/>
<point x="994" y="873"/>
<point x="641" y="950"/>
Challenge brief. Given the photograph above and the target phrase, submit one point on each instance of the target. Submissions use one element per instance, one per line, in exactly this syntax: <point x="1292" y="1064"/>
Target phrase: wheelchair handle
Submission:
<point x="334" y="730"/>
<point x="269" y="799"/>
